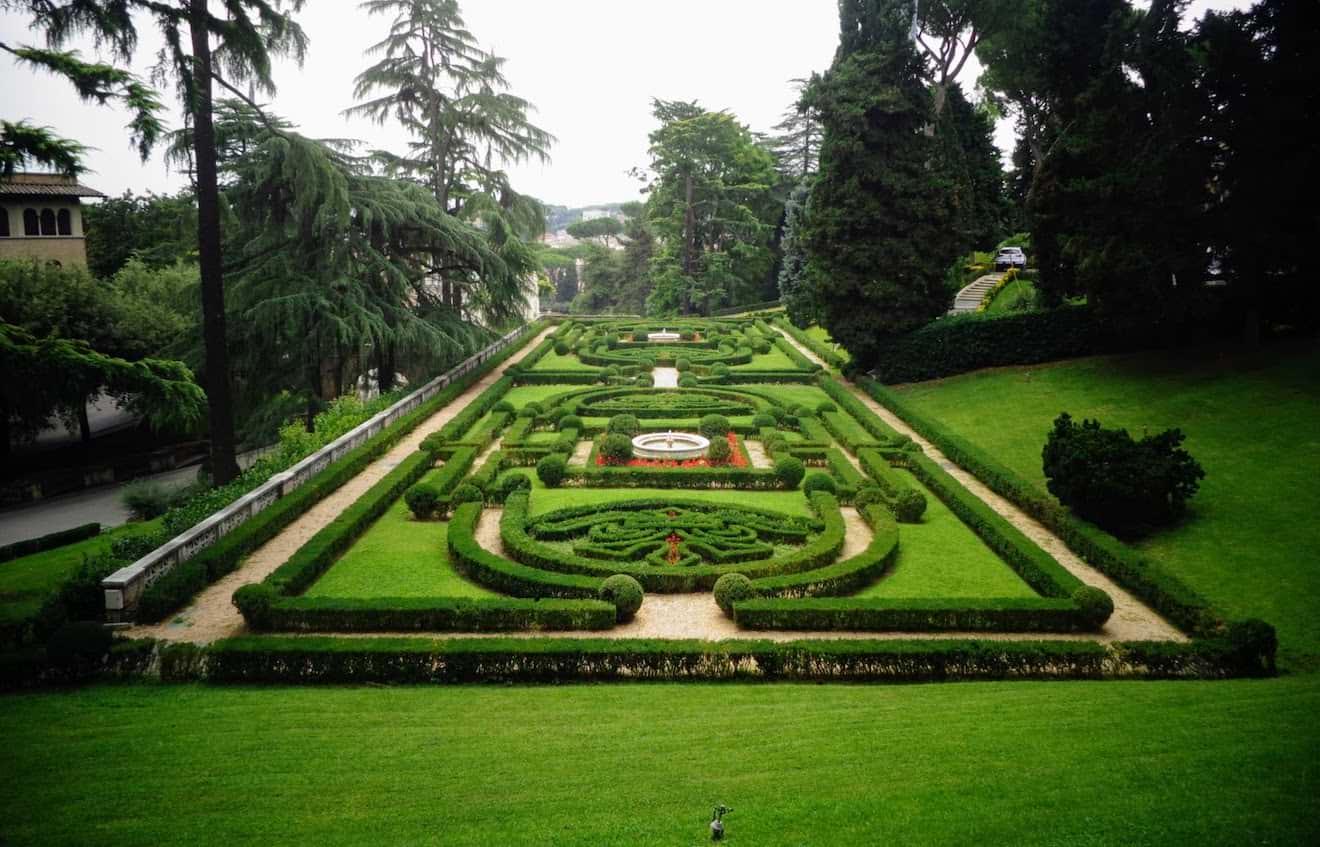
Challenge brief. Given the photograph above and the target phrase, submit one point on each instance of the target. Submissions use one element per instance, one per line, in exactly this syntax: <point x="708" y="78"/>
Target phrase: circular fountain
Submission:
<point x="663" y="335"/>
<point x="670" y="445"/>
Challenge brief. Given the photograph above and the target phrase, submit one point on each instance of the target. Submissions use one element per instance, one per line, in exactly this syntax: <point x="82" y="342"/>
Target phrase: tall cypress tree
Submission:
<point x="876" y="230"/>
<point x="793" y="290"/>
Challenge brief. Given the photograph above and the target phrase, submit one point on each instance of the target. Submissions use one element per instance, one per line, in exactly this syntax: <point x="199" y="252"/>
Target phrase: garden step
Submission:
<point x="970" y="297"/>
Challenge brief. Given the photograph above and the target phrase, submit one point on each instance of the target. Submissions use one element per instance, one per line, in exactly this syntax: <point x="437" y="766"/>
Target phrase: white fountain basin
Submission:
<point x="662" y="336"/>
<point x="670" y="445"/>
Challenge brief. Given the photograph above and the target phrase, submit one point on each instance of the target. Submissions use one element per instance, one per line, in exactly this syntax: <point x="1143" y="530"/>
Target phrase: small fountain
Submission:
<point x="674" y="446"/>
<point x="663" y="335"/>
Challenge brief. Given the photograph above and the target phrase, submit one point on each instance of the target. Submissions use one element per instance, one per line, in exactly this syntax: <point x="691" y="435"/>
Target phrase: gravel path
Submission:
<point x="212" y="614"/>
<point x="756" y="453"/>
<point x="665" y="377"/>
<point x="1132" y="620"/>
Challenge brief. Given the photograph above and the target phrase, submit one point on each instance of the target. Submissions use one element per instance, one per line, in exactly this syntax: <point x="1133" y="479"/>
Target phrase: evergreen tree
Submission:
<point x="876" y="231"/>
<point x="796" y="138"/>
<point x="793" y="290"/>
<point x="969" y="157"/>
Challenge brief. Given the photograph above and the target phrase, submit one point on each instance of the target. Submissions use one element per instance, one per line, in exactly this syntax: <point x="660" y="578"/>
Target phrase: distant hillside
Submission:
<point x="557" y="218"/>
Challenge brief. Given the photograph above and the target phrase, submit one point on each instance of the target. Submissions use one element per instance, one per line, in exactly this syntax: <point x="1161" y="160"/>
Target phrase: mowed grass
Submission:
<point x="26" y="582"/>
<point x="1057" y="763"/>
<point x="524" y="394"/>
<point x="942" y="557"/>
<point x="1252" y="419"/>
<point x="775" y="360"/>
<point x="819" y="333"/>
<point x="549" y="499"/>
<point x="397" y="557"/>
<point x="552" y="361"/>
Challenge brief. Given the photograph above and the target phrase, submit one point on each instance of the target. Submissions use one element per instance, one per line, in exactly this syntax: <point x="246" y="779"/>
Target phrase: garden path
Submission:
<point x="665" y="377"/>
<point x="1132" y="620"/>
<point x="212" y="615"/>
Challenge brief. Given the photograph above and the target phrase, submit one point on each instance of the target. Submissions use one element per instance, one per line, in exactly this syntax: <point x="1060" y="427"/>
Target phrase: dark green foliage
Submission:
<point x="79" y="645"/>
<point x="156" y="229"/>
<point x="826" y="407"/>
<point x="688" y="381"/>
<point x="503" y="406"/>
<point x="915" y="614"/>
<point x="1125" y="486"/>
<point x="551" y="470"/>
<point x="467" y="493"/>
<point x="794" y="291"/>
<point x="80" y="598"/>
<point x="732" y="588"/>
<point x="624" y="425"/>
<point x="514" y="482"/>
<point x="49" y="541"/>
<point x="683" y="364"/>
<point x="421" y="614"/>
<point x="616" y="447"/>
<point x="625" y="593"/>
<point x="909" y="505"/>
<point x="789" y="471"/>
<point x="762" y="420"/>
<point x="719" y="450"/>
<point x="1094" y="605"/>
<point x="817" y="481"/>
<point x="714" y="426"/>
<point x="570" y="422"/>
<point x="422" y="500"/>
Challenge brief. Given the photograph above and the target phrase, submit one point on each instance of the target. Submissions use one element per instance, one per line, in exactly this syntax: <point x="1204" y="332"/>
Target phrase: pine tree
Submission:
<point x="796" y="138"/>
<point x="793" y="290"/>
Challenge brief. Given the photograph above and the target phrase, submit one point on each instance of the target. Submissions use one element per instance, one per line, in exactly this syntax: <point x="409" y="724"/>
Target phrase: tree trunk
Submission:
<point x="385" y="367"/>
<point x="689" y="227"/>
<point x="224" y="464"/>
<point x="84" y="425"/>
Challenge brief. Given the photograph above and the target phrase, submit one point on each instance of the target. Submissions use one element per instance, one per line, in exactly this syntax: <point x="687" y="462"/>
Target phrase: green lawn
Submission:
<point x="1018" y="295"/>
<point x="524" y="394"/>
<point x="397" y="557"/>
<point x="1056" y="763"/>
<point x="26" y="582"/>
<point x="775" y="360"/>
<point x="547" y="500"/>
<point x="818" y="332"/>
<point x="1252" y="419"/>
<point x="941" y="557"/>
<point x="791" y="395"/>
<point x="552" y="361"/>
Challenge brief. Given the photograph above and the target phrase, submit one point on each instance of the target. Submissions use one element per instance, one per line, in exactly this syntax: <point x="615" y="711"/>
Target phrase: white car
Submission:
<point x="1010" y="257"/>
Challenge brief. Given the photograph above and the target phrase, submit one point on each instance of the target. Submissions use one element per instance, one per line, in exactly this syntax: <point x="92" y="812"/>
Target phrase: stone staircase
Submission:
<point x="970" y="297"/>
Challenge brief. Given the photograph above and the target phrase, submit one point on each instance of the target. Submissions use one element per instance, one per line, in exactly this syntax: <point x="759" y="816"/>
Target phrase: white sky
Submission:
<point x="590" y="66"/>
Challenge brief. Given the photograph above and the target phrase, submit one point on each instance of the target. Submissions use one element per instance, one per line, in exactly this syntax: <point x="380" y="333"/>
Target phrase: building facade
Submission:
<point x="41" y="218"/>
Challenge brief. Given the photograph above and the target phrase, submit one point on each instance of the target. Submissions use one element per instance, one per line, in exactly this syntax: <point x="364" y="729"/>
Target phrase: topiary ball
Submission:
<point x="683" y="364"/>
<point x="776" y="412"/>
<point x="625" y="593"/>
<point x="714" y="426"/>
<point x="789" y="471"/>
<point x="467" y="493"/>
<point x="868" y="496"/>
<point x="818" y="481"/>
<point x="909" y="506"/>
<point x="624" y="425"/>
<point x="551" y="470"/>
<point x="731" y="588"/>
<point x="644" y="381"/>
<point x="513" y="483"/>
<point x="561" y="348"/>
<point x="422" y="500"/>
<point x="719" y="369"/>
<point x="802" y="410"/>
<point x="502" y="406"/>
<point x="570" y="422"/>
<point x="688" y="381"/>
<point x="719" y="450"/>
<point x="761" y="420"/>
<point x="1094" y="605"/>
<point x="822" y="408"/>
<point x="616" y="447"/>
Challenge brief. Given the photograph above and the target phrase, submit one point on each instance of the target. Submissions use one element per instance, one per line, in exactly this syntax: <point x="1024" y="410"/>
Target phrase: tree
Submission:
<point x="23" y="145"/>
<point x="969" y="157"/>
<point x="797" y="137"/>
<point x="948" y="32"/>
<point x="793" y="290"/>
<point x="246" y="37"/>
<point x="157" y="229"/>
<point x="876" y="228"/>
<point x="603" y="228"/>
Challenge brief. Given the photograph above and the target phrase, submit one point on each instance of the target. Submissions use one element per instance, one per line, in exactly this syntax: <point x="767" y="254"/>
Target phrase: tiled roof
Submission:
<point x="21" y="185"/>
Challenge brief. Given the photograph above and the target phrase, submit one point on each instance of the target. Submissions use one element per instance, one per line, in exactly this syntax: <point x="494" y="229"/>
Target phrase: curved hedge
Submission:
<point x="501" y="574"/>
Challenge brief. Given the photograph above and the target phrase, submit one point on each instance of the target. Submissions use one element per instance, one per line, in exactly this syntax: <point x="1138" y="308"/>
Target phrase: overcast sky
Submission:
<point x="590" y="66"/>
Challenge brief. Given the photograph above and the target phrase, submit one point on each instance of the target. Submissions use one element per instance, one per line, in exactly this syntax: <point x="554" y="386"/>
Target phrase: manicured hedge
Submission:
<point x="849" y="403"/>
<point x="826" y="355"/>
<point x="792" y="352"/>
<point x="1163" y="591"/>
<point x="49" y="541"/>
<point x="918" y="614"/>
<point x="427" y="614"/>
<point x="503" y="575"/>
<point x="843" y="577"/>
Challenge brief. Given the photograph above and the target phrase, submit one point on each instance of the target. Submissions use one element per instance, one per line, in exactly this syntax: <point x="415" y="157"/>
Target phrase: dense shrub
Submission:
<point x="818" y="481"/>
<point x="551" y="470"/>
<point x="761" y="420"/>
<point x="731" y="588"/>
<point x="514" y="482"/>
<point x="777" y="413"/>
<point x="644" y="381"/>
<point x="467" y="493"/>
<point x="826" y="406"/>
<point x="867" y="496"/>
<point x="719" y="370"/>
<point x="624" y="425"/>
<point x="80" y="644"/>
<point x="562" y="348"/>
<point x="146" y="500"/>
<point x="570" y="422"/>
<point x="909" y="505"/>
<point x="683" y="364"/>
<point x="53" y="540"/>
<point x="1094" y="605"/>
<point x="616" y="447"/>
<point x="688" y="381"/>
<point x="719" y="450"/>
<point x="625" y="593"/>
<point x="800" y="410"/>
<point x="503" y="406"/>
<point x="1125" y="486"/>
<point x="422" y="500"/>
<point x="789" y="471"/>
<point x="714" y="426"/>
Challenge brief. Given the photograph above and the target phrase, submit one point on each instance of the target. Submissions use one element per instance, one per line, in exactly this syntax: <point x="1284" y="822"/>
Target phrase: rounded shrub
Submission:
<point x="776" y="412"/>
<point x="1095" y="605"/>
<point x="551" y="470"/>
<point x="719" y="369"/>
<point x="719" y="450"/>
<point x="611" y="370"/>
<point x="714" y="426"/>
<point x="683" y="364"/>
<point x="909" y="505"/>
<point x="761" y="420"/>
<point x="514" y="482"/>
<point x="762" y="347"/>
<point x="688" y="381"/>
<point x="789" y="471"/>
<point x="467" y="493"/>
<point x="624" y="425"/>
<point x="801" y="410"/>
<point x="502" y="406"/>
<point x="616" y="447"/>
<point x="562" y="348"/>
<point x="625" y="593"/>
<point x="644" y="381"/>
<point x="822" y="408"/>
<point x="254" y="601"/>
<point x="78" y="644"/>
<point x="422" y="500"/>
<point x="535" y="406"/>
<point x="726" y="349"/>
<point x="1254" y="644"/>
<point x="818" y="481"/>
<point x="791" y="421"/>
<point x="639" y="335"/>
<point x="527" y="412"/>
<point x="570" y="422"/>
<point x="731" y="588"/>
<point x="868" y="496"/>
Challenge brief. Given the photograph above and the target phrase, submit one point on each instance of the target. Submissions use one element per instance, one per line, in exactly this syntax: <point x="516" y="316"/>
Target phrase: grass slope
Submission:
<point x="1250" y="538"/>
<point x="1127" y="763"/>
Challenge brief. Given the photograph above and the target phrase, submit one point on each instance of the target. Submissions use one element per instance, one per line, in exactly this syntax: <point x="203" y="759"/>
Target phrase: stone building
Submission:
<point x="41" y="218"/>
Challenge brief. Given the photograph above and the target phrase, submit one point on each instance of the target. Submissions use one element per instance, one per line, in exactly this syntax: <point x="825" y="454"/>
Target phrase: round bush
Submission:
<point x="512" y="483"/>
<point x="791" y="421"/>
<point x="683" y="364"/>
<point x="616" y="447"/>
<point x="789" y="471"/>
<point x="776" y="444"/>
<point x="535" y="406"/>
<point x="761" y="347"/>
<point x="467" y="493"/>
<point x="502" y="406"/>
<point x="644" y="381"/>
<point x="527" y="412"/>
<point x="1095" y="605"/>
<point x="777" y="413"/>
<point x="726" y="349"/>
<point x="625" y="593"/>
<point x="818" y="481"/>
<point x="688" y="381"/>
<point x="624" y="425"/>
<point x="909" y="505"/>
<point x="719" y="451"/>
<point x="561" y="348"/>
<point x="761" y="420"/>
<point x="822" y="408"/>
<point x="868" y="496"/>
<point x="570" y="422"/>
<point x="719" y="369"/>
<point x="422" y="500"/>
<point x="731" y="588"/>
<point x="714" y="426"/>
<point x="801" y="410"/>
<point x="551" y="470"/>
<point x="611" y="370"/>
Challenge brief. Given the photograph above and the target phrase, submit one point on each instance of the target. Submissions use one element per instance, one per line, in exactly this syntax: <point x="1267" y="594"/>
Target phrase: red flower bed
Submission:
<point x="738" y="460"/>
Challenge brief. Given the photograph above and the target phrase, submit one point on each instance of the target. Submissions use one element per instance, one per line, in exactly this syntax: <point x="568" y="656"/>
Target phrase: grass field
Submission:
<point x="1252" y="419"/>
<point x="820" y="334"/>
<point x="552" y="361"/>
<point x="775" y="360"/>
<point x="1124" y="763"/>
<point x="547" y="500"/>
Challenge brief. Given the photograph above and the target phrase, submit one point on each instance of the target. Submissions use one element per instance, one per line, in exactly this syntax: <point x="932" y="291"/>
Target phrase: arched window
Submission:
<point x="47" y="222"/>
<point x="30" y="222"/>
<point x="4" y="222"/>
<point x="63" y="222"/>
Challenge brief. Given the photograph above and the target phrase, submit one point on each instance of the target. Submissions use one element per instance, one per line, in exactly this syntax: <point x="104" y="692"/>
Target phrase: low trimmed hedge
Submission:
<point x="847" y="576"/>
<point x="826" y="355"/>
<point x="622" y="476"/>
<point x="49" y="541"/>
<point x="508" y="577"/>
<point x="916" y="614"/>
<point x="787" y="348"/>
<point x="848" y="402"/>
